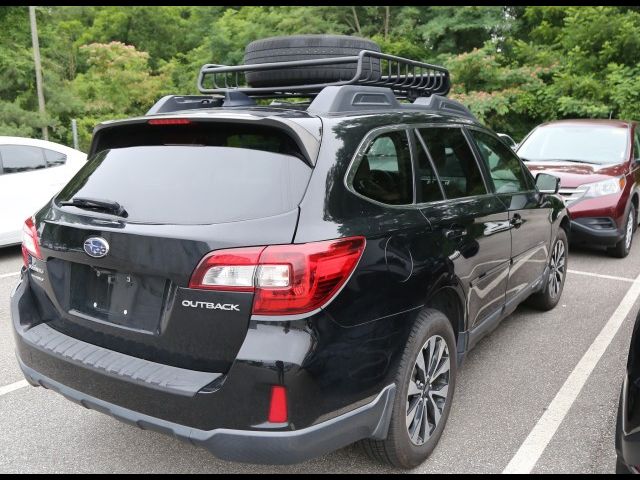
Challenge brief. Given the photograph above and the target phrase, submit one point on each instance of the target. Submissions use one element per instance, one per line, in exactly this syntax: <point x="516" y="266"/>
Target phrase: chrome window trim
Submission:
<point x="523" y="167"/>
<point x="357" y="159"/>
<point x="372" y="134"/>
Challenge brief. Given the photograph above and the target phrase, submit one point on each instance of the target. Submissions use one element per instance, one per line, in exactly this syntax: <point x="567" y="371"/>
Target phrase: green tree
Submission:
<point x="117" y="83"/>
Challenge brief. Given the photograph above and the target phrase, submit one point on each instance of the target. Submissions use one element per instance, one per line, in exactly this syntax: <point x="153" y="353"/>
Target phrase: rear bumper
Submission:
<point x="590" y="230"/>
<point x="370" y="420"/>
<point x="225" y="414"/>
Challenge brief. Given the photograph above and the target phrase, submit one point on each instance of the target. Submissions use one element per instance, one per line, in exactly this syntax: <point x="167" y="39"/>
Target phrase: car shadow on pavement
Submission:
<point x="9" y="252"/>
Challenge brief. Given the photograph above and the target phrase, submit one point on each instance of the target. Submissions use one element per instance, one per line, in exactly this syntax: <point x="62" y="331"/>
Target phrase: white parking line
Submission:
<point x="14" y="386"/>
<point x="599" y="275"/>
<point x="534" y="445"/>
<point x="7" y="275"/>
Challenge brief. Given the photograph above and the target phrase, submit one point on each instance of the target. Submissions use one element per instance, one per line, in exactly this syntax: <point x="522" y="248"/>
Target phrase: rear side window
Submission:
<point x="192" y="184"/>
<point x="21" y="158"/>
<point x="504" y="167"/>
<point x="53" y="158"/>
<point x="636" y="143"/>
<point x="384" y="173"/>
<point x="454" y="161"/>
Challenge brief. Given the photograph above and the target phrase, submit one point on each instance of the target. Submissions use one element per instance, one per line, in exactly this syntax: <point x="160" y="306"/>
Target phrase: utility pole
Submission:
<point x="36" y="60"/>
<point x="74" y="131"/>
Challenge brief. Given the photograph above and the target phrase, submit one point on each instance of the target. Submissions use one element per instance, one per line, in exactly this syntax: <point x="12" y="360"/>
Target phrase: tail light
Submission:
<point x="30" y="242"/>
<point x="169" y="121"/>
<point x="286" y="279"/>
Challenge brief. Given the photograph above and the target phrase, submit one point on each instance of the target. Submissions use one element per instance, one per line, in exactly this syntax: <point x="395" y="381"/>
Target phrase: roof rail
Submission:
<point x="442" y="104"/>
<point x="331" y="99"/>
<point x="407" y="79"/>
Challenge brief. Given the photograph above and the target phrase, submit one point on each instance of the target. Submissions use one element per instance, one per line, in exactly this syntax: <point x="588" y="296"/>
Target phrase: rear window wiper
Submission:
<point x="108" y="206"/>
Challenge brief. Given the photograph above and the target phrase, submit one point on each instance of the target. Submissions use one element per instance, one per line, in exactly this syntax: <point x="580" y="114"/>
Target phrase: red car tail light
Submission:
<point x="286" y="279"/>
<point x="30" y="242"/>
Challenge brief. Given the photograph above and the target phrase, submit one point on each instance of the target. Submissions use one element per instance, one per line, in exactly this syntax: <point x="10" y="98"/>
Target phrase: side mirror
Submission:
<point x="547" y="183"/>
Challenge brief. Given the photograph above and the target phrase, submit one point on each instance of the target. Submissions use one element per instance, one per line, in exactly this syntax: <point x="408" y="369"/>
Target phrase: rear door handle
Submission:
<point x="516" y="221"/>
<point x="455" y="233"/>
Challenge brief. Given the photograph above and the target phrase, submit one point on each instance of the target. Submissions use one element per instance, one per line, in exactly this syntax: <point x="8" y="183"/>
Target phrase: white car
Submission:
<point x="31" y="172"/>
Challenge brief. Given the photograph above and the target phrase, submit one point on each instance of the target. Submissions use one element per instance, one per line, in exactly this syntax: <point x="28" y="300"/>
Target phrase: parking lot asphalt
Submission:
<point x="504" y="388"/>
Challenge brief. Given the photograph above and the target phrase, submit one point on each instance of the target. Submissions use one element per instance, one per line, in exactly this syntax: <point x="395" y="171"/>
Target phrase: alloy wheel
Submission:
<point x="629" y="234"/>
<point x="557" y="265"/>
<point x="428" y="389"/>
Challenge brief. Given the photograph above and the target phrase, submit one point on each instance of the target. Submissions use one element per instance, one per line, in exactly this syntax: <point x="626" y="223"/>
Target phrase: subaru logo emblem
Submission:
<point x="96" y="247"/>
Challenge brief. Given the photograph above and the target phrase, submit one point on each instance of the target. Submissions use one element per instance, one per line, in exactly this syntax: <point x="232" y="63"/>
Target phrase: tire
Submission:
<point x="623" y="247"/>
<point x="307" y="47"/>
<point x="398" y="449"/>
<point x="549" y="297"/>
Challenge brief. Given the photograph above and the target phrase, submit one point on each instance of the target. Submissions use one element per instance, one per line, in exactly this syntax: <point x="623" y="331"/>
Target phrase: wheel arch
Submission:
<point x="449" y="300"/>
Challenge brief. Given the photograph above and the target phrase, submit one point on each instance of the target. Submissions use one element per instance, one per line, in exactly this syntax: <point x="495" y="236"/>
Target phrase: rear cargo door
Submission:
<point x="120" y="279"/>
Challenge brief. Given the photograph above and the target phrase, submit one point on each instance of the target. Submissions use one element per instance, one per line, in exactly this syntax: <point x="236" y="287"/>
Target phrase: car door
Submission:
<point x="472" y="223"/>
<point x="530" y="222"/>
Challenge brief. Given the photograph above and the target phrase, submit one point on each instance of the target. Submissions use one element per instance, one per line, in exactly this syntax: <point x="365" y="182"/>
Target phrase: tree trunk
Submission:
<point x="355" y="18"/>
<point x="387" y="14"/>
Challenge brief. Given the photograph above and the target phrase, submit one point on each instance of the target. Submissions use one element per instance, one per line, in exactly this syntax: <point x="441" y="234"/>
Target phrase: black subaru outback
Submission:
<point x="276" y="281"/>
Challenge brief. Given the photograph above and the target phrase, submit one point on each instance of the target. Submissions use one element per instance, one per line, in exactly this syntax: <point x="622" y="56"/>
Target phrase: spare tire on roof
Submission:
<point x="307" y="47"/>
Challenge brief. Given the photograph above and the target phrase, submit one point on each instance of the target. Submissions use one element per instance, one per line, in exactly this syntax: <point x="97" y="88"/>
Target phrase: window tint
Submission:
<point x="20" y="158"/>
<point x="192" y="185"/>
<point x="384" y="174"/>
<point x="211" y="134"/>
<point x="428" y="185"/>
<point x="54" y="159"/>
<point x="504" y="167"/>
<point x="454" y="162"/>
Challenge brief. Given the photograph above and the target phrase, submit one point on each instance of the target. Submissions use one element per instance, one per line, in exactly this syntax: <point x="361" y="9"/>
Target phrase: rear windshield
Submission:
<point x="192" y="184"/>
<point x="583" y="143"/>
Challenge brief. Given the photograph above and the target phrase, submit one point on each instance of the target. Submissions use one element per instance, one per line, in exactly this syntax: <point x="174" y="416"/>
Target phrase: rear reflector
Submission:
<point x="278" y="405"/>
<point x="286" y="279"/>
<point x="169" y="121"/>
<point x="30" y="243"/>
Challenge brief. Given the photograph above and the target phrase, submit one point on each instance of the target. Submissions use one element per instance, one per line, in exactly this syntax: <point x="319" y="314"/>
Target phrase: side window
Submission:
<point x="384" y="173"/>
<point x="454" y="161"/>
<point x="428" y="185"/>
<point x="20" y="158"/>
<point x="504" y="166"/>
<point x="636" y="143"/>
<point x="54" y="159"/>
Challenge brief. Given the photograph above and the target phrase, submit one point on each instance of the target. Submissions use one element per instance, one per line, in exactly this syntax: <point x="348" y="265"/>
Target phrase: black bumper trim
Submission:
<point x="585" y="234"/>
<point x="167" y="378"/>
<point x="261" y="447"/>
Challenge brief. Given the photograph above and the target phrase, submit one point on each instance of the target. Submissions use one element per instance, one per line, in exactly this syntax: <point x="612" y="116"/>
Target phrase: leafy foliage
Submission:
<point x="513" y="66"/>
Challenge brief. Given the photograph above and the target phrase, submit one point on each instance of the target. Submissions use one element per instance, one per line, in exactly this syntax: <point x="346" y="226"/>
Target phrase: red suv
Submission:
<point x="598" y="162"/>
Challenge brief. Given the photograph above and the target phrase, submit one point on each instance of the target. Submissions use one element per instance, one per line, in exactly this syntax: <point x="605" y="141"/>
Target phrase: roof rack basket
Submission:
<point x="408" y="79"/>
